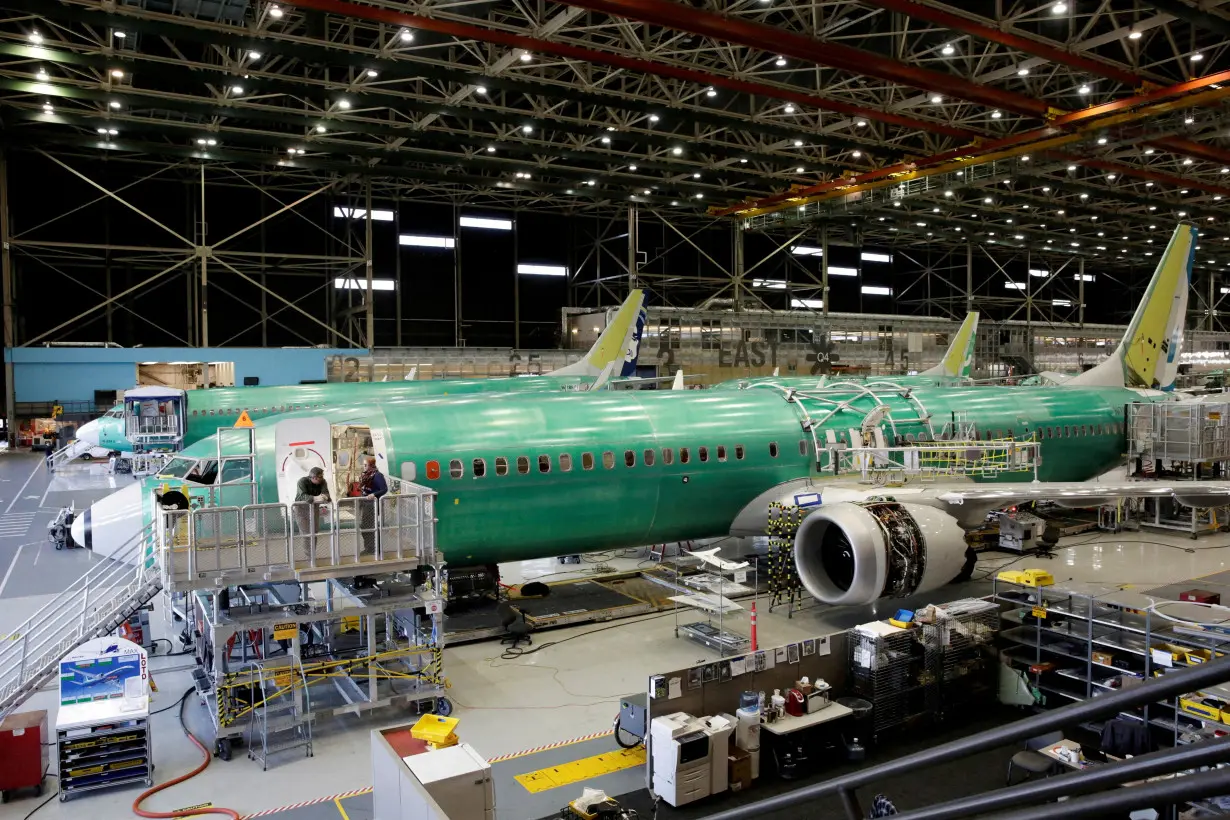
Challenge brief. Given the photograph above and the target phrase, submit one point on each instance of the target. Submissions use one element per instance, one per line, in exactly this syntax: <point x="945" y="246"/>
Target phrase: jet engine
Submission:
<point x="856" y="552"/>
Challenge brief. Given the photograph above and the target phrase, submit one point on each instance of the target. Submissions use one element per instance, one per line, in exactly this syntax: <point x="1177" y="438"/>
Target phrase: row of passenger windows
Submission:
<point x="1064" y="431"/>
<point x="589" y="461"/>
<point x="235" y="411"/>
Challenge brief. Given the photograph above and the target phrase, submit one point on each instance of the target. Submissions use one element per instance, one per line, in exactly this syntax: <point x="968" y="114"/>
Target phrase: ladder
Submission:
<point x="67" y="453"/>
<point x="281" y="718"/>
<point x="92" y="606"/>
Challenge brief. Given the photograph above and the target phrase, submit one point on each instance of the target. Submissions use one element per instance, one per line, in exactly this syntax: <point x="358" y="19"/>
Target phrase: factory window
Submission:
<point x="648" y="458"/>
<point x="702" y="453"/>
<point x="455" y="470"/>
<point x="738" y="452"/>
<point x="629" y="458"/>
<point x="772" y="449"/>
<point x="433" y="470"/>
<point x="587" y="461"/>
<point x="565" y="462"/>
<point x="684" y="455"/>
<point x="501" y="465"/>
<point x="523" y="465"/>
<point x="608" y="460"/>
<point x="721" y="452"/>
<point x="668" y="455"/>
<point x="544" y="464"/>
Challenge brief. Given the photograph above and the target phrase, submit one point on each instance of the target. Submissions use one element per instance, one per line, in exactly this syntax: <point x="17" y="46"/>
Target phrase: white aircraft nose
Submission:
<point x="89" y="432"/>
<point x="111" y="525"/>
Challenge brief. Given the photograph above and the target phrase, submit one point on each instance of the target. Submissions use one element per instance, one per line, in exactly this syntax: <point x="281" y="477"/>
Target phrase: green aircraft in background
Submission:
<point x="952" y="371"/>
<point x="527" y="476"/>
<point x="184" y="417"/>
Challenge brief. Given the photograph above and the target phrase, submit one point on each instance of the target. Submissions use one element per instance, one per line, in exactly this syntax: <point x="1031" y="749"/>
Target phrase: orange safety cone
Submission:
<point x="753" y="626"/>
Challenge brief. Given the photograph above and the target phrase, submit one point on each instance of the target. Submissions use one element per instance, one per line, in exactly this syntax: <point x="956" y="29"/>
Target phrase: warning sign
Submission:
<point x="244" y="420"/>
<point x="286" y="631"/>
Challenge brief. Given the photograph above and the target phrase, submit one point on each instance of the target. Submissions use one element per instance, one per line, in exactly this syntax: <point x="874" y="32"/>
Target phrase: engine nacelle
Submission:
<point x="856" y="552"/>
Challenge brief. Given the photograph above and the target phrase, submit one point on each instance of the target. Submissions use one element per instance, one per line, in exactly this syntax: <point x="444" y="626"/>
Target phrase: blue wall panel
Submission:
<point x="69" y="374"/>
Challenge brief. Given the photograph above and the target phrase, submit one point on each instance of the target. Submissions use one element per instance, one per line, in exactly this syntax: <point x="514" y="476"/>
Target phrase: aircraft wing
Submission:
<point x="710" y="557"/>
<point x="969" y="504"/>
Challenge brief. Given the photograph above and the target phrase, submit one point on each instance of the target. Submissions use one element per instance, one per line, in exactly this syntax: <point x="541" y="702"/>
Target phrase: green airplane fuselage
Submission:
<point x="568" y="473"/>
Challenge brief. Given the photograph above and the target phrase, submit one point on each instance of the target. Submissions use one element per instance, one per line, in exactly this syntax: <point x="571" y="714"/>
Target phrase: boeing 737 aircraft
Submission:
<point x="87" y="679"/>
<point x="204" y="411"/>
<point x="526" y="476"/>
<point x="952" y="371"/>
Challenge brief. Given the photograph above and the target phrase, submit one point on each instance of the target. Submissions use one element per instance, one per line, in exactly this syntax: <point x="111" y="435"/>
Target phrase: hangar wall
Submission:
<point x="73" y="374"/>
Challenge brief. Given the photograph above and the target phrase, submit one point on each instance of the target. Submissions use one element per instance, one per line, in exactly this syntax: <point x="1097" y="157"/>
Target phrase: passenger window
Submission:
<point x="608" y="460"/>
<point x="501" y="465"/>
<point x="455" y="470"/>
<point x="648" y="456"/>
<point x="523" y="465"/>
<point x="738" y="452"/>
<point x="668" y="456"/>
<point x="544" y="464"/>
<point x="408" y="471"/>
<point x="772" y="449"/>
<point x="587" y="461"/>
<point x="703" y="453"/>
<point x="480" y="468"/>
<point x="684" y="455"/>
<point x="629" y="458"/>
<point x="433" y="470"/>
<point x="565" y="462"/>
<point x="802" y="447"/>
<point x="1067" y="431"/>
<point x="721" y="452"/>
<point x="1038" y="434"/>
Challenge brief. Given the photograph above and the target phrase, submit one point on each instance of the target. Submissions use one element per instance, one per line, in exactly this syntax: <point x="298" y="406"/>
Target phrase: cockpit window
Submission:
<point x="115" y="413"/>
<point x="178" y="467"/>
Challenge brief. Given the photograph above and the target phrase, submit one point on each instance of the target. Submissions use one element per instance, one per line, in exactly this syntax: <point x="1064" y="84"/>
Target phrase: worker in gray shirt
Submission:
<point x="310" y="492"/>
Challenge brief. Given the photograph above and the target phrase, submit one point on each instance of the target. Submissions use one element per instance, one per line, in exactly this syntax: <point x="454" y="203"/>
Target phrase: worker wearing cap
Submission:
<point x="310" y="493"/>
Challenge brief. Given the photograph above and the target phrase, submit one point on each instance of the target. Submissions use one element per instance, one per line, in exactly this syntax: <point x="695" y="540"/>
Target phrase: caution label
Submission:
<point x="285" y="632"/>
<point x="244" y="420"/>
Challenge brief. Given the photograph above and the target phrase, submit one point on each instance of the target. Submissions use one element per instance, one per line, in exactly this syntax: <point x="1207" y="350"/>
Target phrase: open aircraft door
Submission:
<point x="300" y="445"/>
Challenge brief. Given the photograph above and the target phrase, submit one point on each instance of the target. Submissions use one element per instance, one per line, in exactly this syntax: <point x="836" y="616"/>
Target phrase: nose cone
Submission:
<point x="112" y="525"/>
<point x="90" y="432"/>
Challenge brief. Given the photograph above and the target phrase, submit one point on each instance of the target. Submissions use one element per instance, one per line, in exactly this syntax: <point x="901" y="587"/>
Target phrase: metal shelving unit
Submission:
<point x="105" y="756"/>
<point x="956" y="658"/>
<point x="890" y="670"/>
<point x="1087" y="637"/>
<point x="709" y="591"/>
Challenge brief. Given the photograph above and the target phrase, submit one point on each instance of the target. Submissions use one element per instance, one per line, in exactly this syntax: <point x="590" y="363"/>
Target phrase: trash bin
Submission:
<point x="859" y="729"/>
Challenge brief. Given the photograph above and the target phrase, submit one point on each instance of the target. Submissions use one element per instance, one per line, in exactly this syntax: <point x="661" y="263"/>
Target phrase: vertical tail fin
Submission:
<point x="959" y="358"/>
<point x="1148" y="354"/>
<point x="620" y="341"/>
<point x="632" y="350"/>
<point x="677" y="382"/>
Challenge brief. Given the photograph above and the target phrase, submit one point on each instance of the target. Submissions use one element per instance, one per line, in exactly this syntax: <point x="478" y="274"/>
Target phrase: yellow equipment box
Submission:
<point x="1027" y="577"/>
<point x="436" y="731"/>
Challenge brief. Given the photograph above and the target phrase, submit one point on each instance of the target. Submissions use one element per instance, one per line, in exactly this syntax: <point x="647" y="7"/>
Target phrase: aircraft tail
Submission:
<point x="1148" y="354"/>
<point x="959" y="358"/>
<point x="621" y="340"/>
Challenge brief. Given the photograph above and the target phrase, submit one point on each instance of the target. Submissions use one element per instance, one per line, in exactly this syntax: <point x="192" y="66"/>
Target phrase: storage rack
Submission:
<point x="889" y="669"/>
<point x="709" y="591"/>
<point x="104" y="756"/>
<point x="1090" y="637"/>
<point x="955" y="646"/>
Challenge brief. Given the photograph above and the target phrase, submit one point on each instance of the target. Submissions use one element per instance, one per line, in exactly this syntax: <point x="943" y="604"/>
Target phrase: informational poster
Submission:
<point x="99" y="669"/>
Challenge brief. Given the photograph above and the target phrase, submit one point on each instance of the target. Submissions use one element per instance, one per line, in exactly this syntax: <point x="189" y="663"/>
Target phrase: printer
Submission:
<point x="720" y="729"/>
<point x="681" y="748"/>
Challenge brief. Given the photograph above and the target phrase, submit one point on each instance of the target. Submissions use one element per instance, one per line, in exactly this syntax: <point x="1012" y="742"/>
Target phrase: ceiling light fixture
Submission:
<point x="789" y="109"/>
<point x="526" y="56"/>
<point x="406" y="35"/>
<point x="1084" y="89"/>
<point x="275" y="12"/>
<point x="780" y="61"/>
<point x="42" y="75"/>
<point x="937" y="99"/>
<point x="1022" y="71"/>
<point x="1134" y="35"/>
<point x="710" y="92"/>
<point x="996" y="114"/>
<point x="117" y="73"/>
<point x="114" y="103"/>
<point x="373" y="73"/>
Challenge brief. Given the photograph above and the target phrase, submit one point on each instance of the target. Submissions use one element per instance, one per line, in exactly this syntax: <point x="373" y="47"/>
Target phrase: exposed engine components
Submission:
<point x="856" y="552"/>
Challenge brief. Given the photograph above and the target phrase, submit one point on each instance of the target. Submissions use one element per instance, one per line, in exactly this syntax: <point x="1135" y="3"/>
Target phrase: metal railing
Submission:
<point x="1180" y="431"/>
<point x="92" y="606"/>
<point x="929" y="461"/>
<point x="67" y="453"/>
<point x="1156" y="689"/>
<point x="285" y="540"/>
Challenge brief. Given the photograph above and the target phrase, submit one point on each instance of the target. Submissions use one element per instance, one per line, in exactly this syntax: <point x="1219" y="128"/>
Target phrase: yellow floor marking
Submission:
<point x="579" y="770"/>
<point x="338" y="803"/>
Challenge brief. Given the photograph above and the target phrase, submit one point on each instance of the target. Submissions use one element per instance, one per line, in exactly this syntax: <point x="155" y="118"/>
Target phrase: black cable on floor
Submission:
<point x="514" y="652"/>
<point x="50" y="797"/>
<point x="182" y="698"/>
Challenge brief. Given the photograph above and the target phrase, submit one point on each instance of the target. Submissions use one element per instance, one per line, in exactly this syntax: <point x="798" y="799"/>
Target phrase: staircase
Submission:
<point x="93" y="606"/>
<point x="281" y="717"/>
<point x="67" y="453"/>
<point x="1021" y="366"/>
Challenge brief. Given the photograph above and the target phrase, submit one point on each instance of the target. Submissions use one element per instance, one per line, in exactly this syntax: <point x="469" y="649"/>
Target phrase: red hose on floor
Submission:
<point x="136" y="804"/>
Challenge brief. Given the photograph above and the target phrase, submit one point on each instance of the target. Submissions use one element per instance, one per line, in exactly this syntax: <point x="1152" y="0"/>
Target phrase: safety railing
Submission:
<point x="933" y="460"/>
<point x="1018" y="798"/>
<point x="93" y="605"/>
<point x="268" y="541"/>
<point x="67" y="453"/>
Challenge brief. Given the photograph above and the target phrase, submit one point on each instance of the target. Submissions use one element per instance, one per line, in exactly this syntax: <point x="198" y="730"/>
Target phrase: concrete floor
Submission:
<point x="565" y="690"/>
